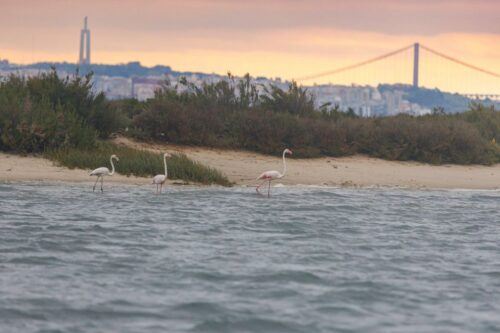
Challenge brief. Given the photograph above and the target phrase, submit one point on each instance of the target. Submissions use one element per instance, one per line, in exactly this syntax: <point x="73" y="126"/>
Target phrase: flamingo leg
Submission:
<point x="93" y="189"/>
<point x="269" y="189"/>
<point x="161" y="186"/>
<point x="102" y="183"/>
<point x="257" y="188"/>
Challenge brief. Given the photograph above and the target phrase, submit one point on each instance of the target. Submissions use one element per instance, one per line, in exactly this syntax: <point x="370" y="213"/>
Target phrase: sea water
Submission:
<point x="228" y="260"/>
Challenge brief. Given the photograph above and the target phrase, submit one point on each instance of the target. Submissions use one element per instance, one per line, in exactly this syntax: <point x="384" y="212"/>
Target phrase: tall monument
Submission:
<point x="84" y="44"/>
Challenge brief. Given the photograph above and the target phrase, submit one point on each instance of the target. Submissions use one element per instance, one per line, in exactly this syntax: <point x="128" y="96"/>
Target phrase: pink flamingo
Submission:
<point x="159" y="180"/>
<point x="103" y="171"/>
<point x="269" y="176"/>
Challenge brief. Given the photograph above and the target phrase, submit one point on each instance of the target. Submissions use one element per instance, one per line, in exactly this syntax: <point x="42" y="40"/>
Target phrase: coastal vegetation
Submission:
<point x="135" y="162"/>
<point x="237" y="114"/>
<point x="47" y="113"/>
<point x="66" y="122"/>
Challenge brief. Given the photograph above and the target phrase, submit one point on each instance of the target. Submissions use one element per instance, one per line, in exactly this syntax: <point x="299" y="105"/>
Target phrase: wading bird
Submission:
<point x="269" y="176"/>
<point x="161" y="179"/>
<point x="103" y="171"/>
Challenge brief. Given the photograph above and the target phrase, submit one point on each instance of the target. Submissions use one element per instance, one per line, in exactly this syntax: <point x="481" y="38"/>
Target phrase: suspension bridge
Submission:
<point x="420" y="66"/>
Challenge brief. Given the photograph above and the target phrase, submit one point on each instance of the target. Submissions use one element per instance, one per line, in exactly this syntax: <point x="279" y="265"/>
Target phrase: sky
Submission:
<point x="274" y="38"/>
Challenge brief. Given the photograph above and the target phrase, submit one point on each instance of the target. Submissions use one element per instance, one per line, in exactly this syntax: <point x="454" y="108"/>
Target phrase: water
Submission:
<point x="228" y="260"/>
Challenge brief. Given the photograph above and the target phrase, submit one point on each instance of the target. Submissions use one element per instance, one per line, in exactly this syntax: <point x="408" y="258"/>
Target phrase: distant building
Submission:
<point x="113" y="87"/>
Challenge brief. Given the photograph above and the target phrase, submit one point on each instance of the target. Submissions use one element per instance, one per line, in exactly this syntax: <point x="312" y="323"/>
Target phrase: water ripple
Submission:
<point x="228" y="260"/>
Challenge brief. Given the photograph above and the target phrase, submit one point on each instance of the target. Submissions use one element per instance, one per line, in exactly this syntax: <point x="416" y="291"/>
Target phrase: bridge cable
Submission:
<point x="460" y="62"/>
<point x="342" y="69"/>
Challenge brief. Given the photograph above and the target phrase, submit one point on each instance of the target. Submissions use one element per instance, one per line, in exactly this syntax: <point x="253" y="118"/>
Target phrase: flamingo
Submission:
<point x="161" y="179"/>
<point x="103" y="171"/>
<point x="269" y="176"/>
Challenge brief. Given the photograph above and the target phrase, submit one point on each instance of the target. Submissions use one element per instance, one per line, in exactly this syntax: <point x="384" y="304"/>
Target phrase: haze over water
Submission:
<point x="228" y="260"/>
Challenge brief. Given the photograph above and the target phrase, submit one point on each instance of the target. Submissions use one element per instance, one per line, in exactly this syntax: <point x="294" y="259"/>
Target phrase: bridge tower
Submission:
<point x="84" y="44"/>
<point x="416" y="48"/>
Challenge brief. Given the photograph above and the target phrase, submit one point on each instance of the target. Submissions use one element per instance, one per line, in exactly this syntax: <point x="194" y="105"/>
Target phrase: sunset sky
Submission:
<point x="285" y="38"/>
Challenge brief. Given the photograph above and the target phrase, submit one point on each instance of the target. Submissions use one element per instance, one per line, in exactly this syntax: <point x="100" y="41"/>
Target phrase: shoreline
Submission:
<point x="180" y="184"/>
<point x="277" y="185"/>
<point x="242" y="167"/>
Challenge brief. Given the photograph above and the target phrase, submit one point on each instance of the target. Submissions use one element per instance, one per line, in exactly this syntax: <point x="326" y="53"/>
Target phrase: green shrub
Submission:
<point x="485" y="119"/>
<point x="296" y="100"/>
<point x="463" y="138"/>
<point x="46" y="112"/>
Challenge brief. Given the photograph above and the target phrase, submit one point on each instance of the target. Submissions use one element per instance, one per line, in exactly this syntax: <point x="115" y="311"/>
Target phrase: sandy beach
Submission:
<point x="15" y="168"/>
<point x="243" y="167"/>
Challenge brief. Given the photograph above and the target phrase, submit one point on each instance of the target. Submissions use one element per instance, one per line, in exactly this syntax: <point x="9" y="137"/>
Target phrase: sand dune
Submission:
<point x="243" y="167"/>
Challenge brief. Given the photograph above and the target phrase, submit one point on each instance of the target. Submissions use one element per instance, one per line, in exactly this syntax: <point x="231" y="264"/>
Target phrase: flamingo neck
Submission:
<point x="284" y="166"/>
<point x="112" y="167"/>
<point x="165" y="163"/>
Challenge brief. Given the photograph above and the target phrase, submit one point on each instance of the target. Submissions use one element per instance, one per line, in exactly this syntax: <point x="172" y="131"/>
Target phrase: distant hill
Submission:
<point x="431" y="98"/>
<point x="120" y="70"/>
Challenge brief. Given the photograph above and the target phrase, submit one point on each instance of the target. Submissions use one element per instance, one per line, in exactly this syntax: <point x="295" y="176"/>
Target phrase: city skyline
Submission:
<point x="275" y="38"/>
